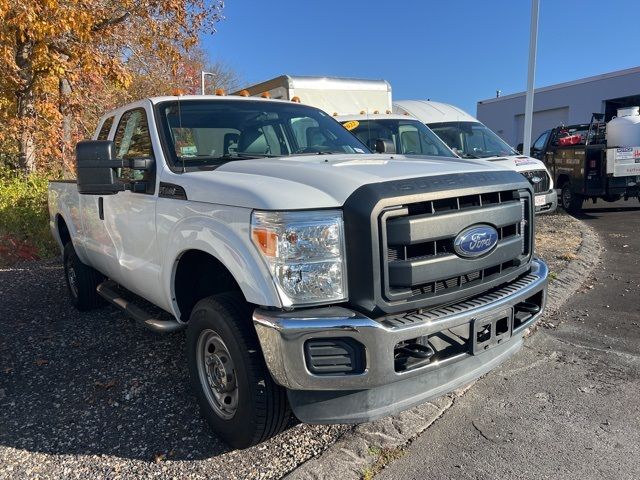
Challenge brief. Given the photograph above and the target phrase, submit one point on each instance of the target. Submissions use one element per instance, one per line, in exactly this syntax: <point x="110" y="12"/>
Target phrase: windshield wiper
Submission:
<point x="226" y="156"/>
<point x="316" y="153"/>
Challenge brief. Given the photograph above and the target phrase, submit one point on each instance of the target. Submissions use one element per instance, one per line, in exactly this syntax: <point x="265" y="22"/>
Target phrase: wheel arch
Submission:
<point x="197" y="275"/>
<point x="62" y="230"/>
<point x="562" y="180"/>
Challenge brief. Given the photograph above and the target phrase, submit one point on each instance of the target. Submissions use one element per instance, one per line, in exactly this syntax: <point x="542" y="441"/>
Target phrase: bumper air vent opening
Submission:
<point x="334" y="356"/>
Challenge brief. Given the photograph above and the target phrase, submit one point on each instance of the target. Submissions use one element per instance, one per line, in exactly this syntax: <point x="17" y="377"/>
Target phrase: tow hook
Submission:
<point x="527" y="307"/>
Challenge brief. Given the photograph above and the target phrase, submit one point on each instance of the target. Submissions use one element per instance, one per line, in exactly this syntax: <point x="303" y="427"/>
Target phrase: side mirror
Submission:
<point x="96" y="166"/>
<point x="95" y="163"/>
<point x="520" y="147"/>
<point x="384" y="145"/>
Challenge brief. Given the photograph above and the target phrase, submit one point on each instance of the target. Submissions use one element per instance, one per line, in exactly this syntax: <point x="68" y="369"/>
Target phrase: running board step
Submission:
<point x="108" y="291"/>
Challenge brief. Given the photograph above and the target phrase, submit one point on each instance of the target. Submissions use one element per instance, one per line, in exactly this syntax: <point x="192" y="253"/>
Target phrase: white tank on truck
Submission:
<point x="624" y="130"/>
<point x="623" y="143"/>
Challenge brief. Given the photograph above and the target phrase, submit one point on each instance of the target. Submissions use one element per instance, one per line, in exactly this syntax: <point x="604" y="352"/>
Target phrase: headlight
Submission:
<point x="305" y="253"/>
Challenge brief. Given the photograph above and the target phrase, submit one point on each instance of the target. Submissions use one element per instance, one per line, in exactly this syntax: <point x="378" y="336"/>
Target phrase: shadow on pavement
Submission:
<point x="90" y="383"/>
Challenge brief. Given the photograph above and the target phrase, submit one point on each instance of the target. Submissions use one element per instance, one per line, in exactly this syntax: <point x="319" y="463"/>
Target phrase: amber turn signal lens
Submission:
<point x="266" y="240"/>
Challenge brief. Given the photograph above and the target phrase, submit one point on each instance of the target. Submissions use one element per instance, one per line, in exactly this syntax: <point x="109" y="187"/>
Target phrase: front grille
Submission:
<point x="539" y="180"/>
<point x="418" y="260"/>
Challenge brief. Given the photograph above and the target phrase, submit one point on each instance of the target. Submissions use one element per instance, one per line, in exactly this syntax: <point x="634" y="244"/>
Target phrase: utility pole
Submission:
<point x="528" y="108"/>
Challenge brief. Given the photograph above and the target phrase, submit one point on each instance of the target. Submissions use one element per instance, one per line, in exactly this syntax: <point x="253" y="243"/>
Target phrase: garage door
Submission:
<point x="542" y="120"/>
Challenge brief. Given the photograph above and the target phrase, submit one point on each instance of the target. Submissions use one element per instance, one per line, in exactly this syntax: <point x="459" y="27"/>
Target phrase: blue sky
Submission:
<point x="453" y="51"/>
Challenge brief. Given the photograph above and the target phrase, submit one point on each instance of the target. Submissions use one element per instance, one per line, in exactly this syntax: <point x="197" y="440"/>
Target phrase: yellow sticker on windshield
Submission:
<point x="351" y="124"/>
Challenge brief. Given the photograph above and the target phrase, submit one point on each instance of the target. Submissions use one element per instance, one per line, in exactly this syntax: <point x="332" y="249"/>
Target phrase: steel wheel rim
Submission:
<point x="72" y="278"/>
<point x="217" y="374"/>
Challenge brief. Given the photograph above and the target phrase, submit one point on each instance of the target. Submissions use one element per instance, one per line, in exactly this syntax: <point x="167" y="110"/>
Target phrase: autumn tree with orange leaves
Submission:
<point x="64" y="62"/>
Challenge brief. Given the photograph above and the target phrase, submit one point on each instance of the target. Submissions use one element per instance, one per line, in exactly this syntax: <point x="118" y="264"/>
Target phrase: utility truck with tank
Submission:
<point x="311" y="276"/>
<point x="470" y="138"/>
<point x="594" y="161"/>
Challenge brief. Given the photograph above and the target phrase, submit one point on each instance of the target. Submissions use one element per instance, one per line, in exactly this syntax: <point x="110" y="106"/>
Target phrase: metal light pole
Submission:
<point x="528" y="108"/>
<point x="202" y="75"/>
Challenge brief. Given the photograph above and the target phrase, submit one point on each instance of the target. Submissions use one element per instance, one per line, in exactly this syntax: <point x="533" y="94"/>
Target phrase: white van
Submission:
<point x="470" y="138"/>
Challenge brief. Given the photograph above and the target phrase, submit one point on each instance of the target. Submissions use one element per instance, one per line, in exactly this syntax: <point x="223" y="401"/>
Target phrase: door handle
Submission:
<point x="101" y="208"/>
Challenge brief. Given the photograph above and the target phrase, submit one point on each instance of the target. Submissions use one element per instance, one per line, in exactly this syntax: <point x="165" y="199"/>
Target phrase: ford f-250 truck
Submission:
<point x="310" y="276"/>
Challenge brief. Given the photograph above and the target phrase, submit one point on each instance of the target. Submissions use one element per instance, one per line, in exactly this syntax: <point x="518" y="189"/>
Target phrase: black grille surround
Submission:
<point x="538" y="187"/>
<point x="399" y="238"/>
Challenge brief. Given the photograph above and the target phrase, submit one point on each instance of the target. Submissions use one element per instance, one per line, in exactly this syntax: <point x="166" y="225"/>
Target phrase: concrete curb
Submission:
<point x="568" y="281"/>
<point x="359" y="448"/>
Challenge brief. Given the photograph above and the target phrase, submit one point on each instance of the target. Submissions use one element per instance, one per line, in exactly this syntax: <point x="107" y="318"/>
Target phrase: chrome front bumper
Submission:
<point x="550" y="200"/>
<point x="283" y="335"/>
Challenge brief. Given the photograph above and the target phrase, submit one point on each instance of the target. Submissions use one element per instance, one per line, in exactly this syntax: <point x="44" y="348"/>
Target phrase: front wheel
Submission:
<point x="234" y="389"/>
<point x="571" y="202"/>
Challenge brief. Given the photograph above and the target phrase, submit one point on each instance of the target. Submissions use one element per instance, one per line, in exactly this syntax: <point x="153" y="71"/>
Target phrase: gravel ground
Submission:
<point x="94" y="395"/>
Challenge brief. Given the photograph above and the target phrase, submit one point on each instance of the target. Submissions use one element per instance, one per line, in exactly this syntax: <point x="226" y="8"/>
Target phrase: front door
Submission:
<point x="129" y="216"/>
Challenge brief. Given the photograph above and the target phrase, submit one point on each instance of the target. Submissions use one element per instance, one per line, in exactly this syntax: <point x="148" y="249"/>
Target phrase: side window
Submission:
<point x="539" y="145"/>
<point x="132" y="140"/>
<point x="103" y="134"/>
<point x="132" y="137"/>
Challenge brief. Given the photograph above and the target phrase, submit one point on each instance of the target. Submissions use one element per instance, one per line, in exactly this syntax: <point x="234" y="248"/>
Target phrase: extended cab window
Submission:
<point x="210" y="132"/>
<point x="105" y="129"/>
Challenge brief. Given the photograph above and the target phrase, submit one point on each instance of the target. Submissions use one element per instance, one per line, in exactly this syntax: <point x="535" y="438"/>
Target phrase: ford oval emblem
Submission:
<point x="536" y="179"/>
<point x="475" y="241"/>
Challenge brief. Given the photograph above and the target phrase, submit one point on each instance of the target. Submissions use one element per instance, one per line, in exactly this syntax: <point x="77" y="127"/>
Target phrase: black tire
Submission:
<point x="612" y="198"/>
<point x="82" y="281"/>
<point x="570" y="201"/>
<point x="261" y="407"/>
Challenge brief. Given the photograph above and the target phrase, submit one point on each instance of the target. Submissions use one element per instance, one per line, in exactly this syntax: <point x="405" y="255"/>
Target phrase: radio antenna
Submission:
<point x="184" y="170"/>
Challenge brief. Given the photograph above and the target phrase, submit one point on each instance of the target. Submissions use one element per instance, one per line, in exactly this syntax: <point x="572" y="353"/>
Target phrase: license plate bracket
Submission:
<point x="492" y="330"/>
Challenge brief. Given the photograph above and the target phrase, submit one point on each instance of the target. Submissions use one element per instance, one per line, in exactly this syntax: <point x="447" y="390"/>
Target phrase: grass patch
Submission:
<point x="383" y="457"/>
<point x="24" y="217"/>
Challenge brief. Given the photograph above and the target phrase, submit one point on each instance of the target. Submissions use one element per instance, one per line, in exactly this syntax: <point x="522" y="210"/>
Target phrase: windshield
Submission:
<point x="410" y="137"/>
<point x="472" y="139"/>
<point x="209" y="132"/>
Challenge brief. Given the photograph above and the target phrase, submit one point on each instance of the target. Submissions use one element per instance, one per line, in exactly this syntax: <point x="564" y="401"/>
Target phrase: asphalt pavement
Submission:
<point x="568" y="405"/>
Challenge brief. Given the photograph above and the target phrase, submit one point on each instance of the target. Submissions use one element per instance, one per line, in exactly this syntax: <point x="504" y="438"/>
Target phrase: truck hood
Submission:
<point x="313" y="181"/>
<point x="519" y="163"/>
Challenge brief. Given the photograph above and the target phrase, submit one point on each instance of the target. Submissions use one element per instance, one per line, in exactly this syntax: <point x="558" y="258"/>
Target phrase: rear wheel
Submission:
<point x="82" y="281"/>
<point x="571" y="202"/>
<point x="234" y="389"/>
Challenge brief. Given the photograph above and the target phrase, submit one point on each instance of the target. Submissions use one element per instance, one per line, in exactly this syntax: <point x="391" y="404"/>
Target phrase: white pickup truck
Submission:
<point x="311" y="276"/>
